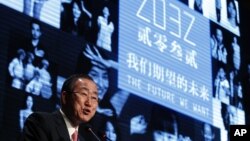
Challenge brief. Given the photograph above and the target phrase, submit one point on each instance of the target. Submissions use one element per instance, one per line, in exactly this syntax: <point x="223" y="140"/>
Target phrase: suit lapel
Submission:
<point x="61" y="126"/>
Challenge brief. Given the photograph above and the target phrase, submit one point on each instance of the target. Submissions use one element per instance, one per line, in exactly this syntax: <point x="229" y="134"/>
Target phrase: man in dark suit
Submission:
<point x="79" y="101"/>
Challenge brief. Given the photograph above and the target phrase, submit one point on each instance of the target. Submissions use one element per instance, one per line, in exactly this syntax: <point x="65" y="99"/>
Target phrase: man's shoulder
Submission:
<point x="39" y="113"/>
<point x="44" y="116"/>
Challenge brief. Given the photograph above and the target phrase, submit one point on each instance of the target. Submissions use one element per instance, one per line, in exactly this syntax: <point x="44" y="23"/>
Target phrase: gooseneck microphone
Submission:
<point x="89" y="129"/>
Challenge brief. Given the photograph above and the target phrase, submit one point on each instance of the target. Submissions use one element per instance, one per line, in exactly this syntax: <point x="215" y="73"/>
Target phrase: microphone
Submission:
<point x="104" y="136"/>
<point x="88" y="128"/>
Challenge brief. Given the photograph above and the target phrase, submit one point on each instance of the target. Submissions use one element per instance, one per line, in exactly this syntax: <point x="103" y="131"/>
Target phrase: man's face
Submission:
<point x="35" y="31"/>
<point x="100" y="76"/>
<point x="83" y="102"/>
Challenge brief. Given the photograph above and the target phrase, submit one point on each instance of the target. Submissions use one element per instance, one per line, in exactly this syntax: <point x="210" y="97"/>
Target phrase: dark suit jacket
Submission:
<point x="42" y="126"/>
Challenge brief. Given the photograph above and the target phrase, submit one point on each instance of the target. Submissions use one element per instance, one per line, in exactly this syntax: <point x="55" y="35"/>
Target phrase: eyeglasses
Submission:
<point x="84" y="95"/>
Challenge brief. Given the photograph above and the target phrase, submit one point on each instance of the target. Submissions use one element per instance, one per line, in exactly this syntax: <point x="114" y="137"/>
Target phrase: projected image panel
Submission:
<point x="226" y="13"/>
<point x="75" y="17"/>
<point x="200" y="6"/>
<point x="228" y="94"/>
<point x="179" y="76"/>
<point x="29" y="67"/>
<point x="227" y="66"/>
<point x="94" y="21"/>
<point x="47" y="11"/>
<point x="151" y="121"/>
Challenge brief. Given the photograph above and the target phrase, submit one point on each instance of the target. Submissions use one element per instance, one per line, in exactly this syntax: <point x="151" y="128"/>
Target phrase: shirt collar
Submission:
<point x="70" y="128"/>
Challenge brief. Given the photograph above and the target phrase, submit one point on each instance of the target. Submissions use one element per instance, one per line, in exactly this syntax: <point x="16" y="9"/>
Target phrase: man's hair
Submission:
<point x="69" y="83"/>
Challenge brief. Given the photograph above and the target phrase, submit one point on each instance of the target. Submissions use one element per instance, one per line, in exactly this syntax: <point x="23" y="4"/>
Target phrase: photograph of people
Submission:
<point x="76" y="18"/>
<point x="29" y="67"/>
<point x="36" y="9"/>
<point x="33" y="67"/>
<point x="91" y="62"/>
<point x="16" y="69"/>
<point x="198" y="6"/>
<point x="219" y="51"/>
<point x="218" y="10"/>
<point x="110" y="131"/>
<point x="24" y="113"/>
<point x="35" y="85"/>
<point x="222" y="87"/>
<point x="208" y="132"/>
<point x="99" y="68"/>
<point x="235" y="74"/>
<point x="47" y="11"/>
<point x="33" y="43"/>
<point x="138" y="124"/>
<point x="40" y="84"/>
<point x="168" y="125"/>
<point x="230" y="117"/>
<point x="164" y="127"/>
<point x="106" y="28"/>
<point x="45" y="78"/>
<point x="232" y="22"/>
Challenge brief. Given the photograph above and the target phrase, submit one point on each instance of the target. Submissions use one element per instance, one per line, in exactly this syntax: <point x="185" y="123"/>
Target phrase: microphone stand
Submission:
<point x="88" y="128"/>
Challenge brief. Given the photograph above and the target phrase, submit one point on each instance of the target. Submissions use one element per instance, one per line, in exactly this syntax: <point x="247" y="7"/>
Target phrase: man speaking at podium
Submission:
<point x="79" y="101"/>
